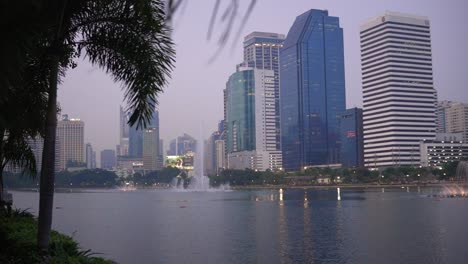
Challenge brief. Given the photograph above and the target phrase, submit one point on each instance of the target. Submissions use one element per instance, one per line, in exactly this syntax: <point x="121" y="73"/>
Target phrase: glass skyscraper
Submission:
<point x="240" y="106"/>
<point x="312" y="91"/>
<point x="251" y="123"/>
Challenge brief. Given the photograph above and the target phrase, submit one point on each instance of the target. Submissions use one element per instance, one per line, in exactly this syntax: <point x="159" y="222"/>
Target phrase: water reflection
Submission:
<point x="281" y="196"/>
<point x="266" y="226"/>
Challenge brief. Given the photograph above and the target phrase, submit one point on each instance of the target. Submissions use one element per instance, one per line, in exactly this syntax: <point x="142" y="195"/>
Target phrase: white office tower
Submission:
<point x="399" y="99"/>
<point x="70" y="135"/>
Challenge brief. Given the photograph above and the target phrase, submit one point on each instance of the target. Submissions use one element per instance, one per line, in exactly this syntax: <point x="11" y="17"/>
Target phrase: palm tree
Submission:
<point x="16" y="152"/>
<point x="128" y="39"/>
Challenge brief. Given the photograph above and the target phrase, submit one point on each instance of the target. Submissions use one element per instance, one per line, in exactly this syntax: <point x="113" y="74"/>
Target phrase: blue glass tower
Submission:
<point x="312" y="91"/>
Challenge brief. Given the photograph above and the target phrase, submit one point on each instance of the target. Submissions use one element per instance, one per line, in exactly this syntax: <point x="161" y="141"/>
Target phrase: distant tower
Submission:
<point x="108" y="159"/>
<point x="90" y="163"/>
<point x="124" y="134"/>
<point x="70" y="135"/>
<point x="399" y="99"/>
<point x="152" y="158"/>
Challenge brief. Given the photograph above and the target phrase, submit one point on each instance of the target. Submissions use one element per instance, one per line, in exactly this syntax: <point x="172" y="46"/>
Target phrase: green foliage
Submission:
<point x="75" y="164"/>
<point x="247" y="177"/>
<point x="83" y="178"/>
<point x="164" y="176"/>
<point x="18" y="232"/>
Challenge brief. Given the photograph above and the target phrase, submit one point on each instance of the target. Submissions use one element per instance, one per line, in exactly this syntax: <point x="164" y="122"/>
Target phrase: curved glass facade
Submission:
<point x="312" y="91"/>
<point x="240" y="120"/>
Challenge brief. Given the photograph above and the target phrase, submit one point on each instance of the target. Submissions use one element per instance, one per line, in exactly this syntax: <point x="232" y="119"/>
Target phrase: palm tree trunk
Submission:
<point x="46" y="199"/>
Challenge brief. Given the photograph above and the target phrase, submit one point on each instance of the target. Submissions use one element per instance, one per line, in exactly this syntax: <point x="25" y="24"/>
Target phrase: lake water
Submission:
<point x="390" y="225"/>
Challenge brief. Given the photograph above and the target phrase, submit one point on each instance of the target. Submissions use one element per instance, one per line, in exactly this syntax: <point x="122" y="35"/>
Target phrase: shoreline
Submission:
<point x="268" y="187"/>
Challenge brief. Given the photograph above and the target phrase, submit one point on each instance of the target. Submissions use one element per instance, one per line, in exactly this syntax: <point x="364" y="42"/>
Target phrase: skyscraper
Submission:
<point x="135" y="142"/>
<point x="90" y="157"/>
<point x="70" y="135"/>
<point x="151" y="157"/>
<point x="312" y="89"/>
<point x="136" y="136"/>
<point x="181" y="145"/>
<point x="108" y="159"/>
<point x="351" y="138"/>
<point x="261" y="51"/>
<point x="124" y="134"/>
<point x="250" y="125"/>
<point x="452" y="117"/>
<point x="399" y="99"/>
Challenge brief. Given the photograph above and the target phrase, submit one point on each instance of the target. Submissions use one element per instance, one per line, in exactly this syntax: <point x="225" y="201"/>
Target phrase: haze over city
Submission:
<point x="300" y="131"/>
<point x="194" y="96"/>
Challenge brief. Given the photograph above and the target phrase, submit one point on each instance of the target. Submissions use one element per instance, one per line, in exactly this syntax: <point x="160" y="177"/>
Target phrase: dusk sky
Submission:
<point x="193" y="100"/>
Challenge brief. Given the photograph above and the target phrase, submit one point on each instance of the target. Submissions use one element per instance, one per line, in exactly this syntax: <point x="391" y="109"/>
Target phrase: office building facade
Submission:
<point x="250" y="120"/>
<point x="70" y="137"/>
<point x="455" y="118"/>
<point x="399" y="98"/>
<point x="312" y="91"/>
<point x="261" y="51"/>
<point x="351" y="138"/>
<point x="108" y="159"/>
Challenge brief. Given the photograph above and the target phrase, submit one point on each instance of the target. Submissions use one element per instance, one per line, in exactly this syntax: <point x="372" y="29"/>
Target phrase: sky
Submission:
<point x="192" y="102"/>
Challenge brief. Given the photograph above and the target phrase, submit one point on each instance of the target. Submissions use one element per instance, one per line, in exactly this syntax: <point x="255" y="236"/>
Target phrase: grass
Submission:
<point x="18" y="232"/>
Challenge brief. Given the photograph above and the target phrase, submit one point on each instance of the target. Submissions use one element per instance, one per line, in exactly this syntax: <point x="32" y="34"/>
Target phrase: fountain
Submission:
<point x="457" y="191"/>
<point x="461" y="174"/>
<point x="199" y="182"/>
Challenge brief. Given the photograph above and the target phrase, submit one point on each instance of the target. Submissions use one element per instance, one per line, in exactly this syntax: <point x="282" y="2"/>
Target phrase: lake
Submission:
<point x="391" y="225"/>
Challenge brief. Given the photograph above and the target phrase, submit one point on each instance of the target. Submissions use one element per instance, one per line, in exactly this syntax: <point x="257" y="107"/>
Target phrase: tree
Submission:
<point x="128" y="39"/>
<point x="21" y="75"/>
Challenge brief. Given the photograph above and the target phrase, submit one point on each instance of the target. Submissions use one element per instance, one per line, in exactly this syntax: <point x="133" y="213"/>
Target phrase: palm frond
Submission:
<point x="18" y="153"/>
<point x="132" y="43"/>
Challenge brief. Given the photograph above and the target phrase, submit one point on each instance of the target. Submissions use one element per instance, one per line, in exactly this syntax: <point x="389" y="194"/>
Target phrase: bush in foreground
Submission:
<point x="18" y="232"/>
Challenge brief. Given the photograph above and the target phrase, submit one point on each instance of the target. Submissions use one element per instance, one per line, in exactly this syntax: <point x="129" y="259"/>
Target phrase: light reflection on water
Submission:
<point x="391" y="225"/>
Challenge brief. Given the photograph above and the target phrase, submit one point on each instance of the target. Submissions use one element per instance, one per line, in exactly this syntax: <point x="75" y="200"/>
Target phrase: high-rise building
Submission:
<point x="214" y="160"/>
<point x="452" y="117"/>
<point x="151" y="149"/>
<point x="136" y="136"/>
<point x="312" y="89"/>
<point x="220" y="155"/>
<point x="440" y="121"/>
<point x="90" y="157"/>
<point x="351" y="138"/>
<point x="399" y="98"/>
<point x="70" y="135"/>
<point x="124" y="134"/>
<point x="37" y="146"/>
<point x="250" y="125"/>
<point x="261" y="51"/>
<point x="108" y="160"/>
<point x="135" y="142"/>
<point x="93" y="160"/>
<point x="182" y="145"/>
